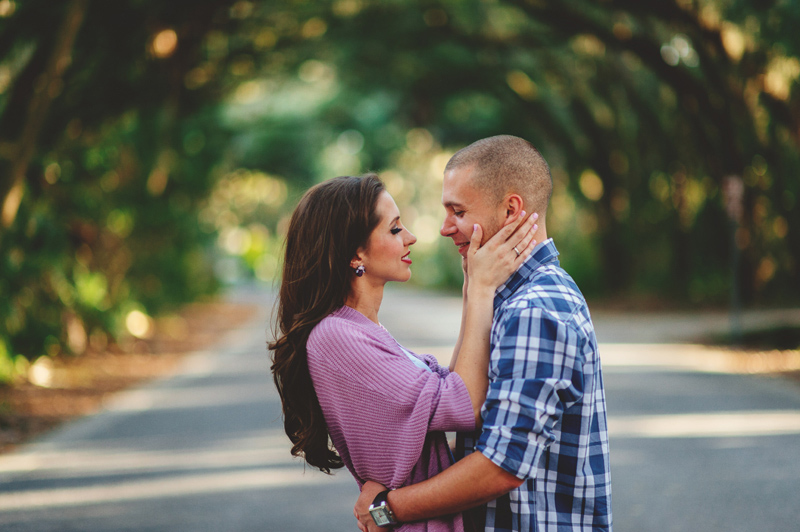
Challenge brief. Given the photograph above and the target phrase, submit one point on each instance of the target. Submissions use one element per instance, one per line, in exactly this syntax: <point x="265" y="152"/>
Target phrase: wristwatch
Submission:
<point x="380" y="511"/>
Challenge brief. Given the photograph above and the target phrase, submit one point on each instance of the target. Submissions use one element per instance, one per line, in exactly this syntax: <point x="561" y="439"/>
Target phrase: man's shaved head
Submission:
<point x="507" y="165"/>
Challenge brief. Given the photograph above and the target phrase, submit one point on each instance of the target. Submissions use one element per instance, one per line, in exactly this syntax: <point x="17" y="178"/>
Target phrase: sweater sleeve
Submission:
<point x="432" y="363"/>
<point x="378" y="405"/>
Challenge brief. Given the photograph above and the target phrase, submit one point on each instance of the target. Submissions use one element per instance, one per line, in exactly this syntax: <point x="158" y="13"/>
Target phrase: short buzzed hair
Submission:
<point x="508" y="165"/>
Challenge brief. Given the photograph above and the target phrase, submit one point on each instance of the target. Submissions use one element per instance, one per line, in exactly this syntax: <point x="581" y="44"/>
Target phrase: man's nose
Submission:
<point x="448" y="227"/>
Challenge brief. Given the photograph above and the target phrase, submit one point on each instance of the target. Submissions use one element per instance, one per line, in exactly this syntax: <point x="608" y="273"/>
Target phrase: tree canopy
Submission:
<point x="137" y="135"/>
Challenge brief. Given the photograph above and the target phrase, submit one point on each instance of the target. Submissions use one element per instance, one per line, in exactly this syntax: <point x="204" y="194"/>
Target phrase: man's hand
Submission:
<point x="369" y="491"/>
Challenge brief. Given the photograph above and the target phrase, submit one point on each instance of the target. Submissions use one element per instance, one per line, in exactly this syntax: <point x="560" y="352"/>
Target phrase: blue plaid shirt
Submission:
<point x="544" y="419"/>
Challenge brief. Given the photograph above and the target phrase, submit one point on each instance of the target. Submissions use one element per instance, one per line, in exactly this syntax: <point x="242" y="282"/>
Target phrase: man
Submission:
<point x="541" y="459"/>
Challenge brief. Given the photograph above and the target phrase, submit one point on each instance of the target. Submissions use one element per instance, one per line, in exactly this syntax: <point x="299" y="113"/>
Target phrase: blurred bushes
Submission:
<point x="642" y="110"/>
<point x="92" y="244"/>
<point x="154" y="149"/>
<point x="105" y="233"/>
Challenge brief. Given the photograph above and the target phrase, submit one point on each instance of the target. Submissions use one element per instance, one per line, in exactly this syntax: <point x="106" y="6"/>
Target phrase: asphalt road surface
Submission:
<point x="695" y="445"/>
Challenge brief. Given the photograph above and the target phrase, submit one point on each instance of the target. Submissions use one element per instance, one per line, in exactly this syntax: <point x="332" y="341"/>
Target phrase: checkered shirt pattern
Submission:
<point x="544" y="419"/>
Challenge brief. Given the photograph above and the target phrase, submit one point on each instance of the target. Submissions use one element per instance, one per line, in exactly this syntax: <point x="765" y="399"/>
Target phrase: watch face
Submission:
<point x="381" y="516"/>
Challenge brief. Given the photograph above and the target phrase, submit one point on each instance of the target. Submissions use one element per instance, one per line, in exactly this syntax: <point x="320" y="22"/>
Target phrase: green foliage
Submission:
<point x="168" y="138"/>
<point x="7" y="365"/>
<point x="642" y="109"/>
<point x="107" y="222"/>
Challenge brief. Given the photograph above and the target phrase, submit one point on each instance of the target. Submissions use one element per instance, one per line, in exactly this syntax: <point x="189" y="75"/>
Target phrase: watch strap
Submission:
<point x="381" y="498"/>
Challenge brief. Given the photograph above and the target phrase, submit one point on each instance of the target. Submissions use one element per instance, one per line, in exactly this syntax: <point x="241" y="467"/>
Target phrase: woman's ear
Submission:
<point x="356" y="261"/>
<point x="512" y="204"/>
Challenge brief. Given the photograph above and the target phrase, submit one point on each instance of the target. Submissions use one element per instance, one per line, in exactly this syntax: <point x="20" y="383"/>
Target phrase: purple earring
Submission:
<point x="360" y="270"/>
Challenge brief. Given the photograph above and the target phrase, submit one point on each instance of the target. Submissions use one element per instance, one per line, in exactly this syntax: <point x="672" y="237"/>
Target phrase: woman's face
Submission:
<point x="386" y="256"/>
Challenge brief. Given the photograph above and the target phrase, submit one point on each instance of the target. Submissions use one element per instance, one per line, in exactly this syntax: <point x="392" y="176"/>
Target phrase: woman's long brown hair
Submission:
<point x="332" y="220"/>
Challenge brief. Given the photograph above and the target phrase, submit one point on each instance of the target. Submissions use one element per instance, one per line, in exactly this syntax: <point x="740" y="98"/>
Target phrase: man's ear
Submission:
<point x="512" y="204"/>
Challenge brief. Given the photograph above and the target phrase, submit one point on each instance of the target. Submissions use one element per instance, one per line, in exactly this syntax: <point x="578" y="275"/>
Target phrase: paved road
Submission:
<point x="694" y="447"/>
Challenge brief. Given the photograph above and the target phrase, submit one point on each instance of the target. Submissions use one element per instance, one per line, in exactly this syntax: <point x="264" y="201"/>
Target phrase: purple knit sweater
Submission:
<point x="386" y="416"/>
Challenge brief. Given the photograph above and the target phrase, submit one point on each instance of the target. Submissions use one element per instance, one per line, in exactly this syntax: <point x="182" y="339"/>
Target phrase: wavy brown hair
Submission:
<point x="332" y="220"/>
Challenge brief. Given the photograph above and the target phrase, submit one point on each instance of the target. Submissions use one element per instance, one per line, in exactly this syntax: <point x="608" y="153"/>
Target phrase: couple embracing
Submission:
<point x="524" y="390"/>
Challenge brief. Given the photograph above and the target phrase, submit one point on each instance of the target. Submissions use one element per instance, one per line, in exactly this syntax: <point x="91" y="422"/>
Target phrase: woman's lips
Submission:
<point x="405" y="258"/>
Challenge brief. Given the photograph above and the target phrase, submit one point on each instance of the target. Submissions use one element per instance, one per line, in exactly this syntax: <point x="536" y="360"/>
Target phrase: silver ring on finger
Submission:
<point x="516" y="251"/>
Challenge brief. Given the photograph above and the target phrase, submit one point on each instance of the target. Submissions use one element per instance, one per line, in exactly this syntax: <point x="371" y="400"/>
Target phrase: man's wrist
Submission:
<point x="391" y="500"/>
<point x="381" y="511"/>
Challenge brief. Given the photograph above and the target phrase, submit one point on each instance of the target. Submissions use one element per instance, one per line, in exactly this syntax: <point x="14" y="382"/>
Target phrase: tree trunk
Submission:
<point x="47" y="88"/>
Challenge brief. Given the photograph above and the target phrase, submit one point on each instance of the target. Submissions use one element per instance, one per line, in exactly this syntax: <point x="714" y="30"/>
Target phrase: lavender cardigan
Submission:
<point x="385" y="415"/>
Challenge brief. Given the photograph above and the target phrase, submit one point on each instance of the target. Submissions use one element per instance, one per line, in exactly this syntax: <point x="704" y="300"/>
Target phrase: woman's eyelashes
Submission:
<point x="396" y="230"/>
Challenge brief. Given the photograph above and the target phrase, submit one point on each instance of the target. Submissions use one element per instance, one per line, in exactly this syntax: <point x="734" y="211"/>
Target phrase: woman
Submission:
<point x="342" y="376"/>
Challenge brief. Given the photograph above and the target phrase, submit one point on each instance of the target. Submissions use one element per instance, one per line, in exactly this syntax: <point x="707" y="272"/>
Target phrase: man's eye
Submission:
<point x="396" y="230"/>
<point x="458" y="213"/>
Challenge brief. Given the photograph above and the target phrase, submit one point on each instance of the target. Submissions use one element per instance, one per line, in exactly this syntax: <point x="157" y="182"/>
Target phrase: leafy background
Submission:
<point x="151" y="151"/>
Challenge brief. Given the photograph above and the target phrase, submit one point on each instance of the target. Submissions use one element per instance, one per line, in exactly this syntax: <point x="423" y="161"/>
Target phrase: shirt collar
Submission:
<point x="543" y="254"/>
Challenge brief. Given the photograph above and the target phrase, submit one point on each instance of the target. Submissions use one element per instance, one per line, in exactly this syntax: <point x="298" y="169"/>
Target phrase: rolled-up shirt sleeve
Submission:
<point x="536" y="373"/>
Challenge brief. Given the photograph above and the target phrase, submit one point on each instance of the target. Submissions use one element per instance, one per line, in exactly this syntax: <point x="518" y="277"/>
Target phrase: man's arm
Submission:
<point x="472" y="481"/>
<point x="532" y="390"/>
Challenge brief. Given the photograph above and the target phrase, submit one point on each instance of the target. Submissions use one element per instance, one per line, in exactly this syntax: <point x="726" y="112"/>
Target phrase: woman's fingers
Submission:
<point x="517" y="236"/>
<point x="527" y="242"/>
<point x="521" y="240"/>
<point x="475" y="239"/>
<point x="505" y="232"/>
<point x="526" y="251"/>
<point x="514" y="232"/>
<point x="525" y="227"/>
<point x="513" y="242"/>
<point x="491" y="264"/>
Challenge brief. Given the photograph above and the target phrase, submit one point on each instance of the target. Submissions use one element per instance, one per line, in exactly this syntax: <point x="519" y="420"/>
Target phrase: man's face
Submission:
<point x="466" y="205"/>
